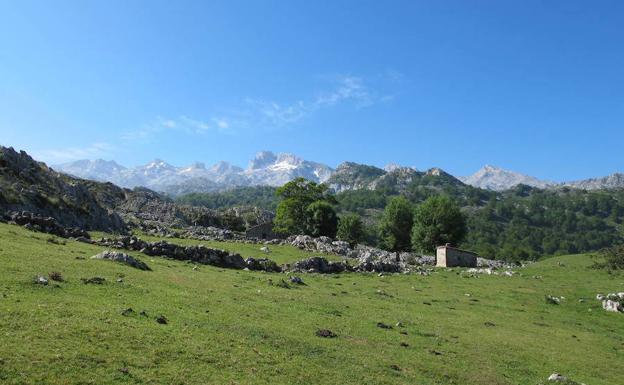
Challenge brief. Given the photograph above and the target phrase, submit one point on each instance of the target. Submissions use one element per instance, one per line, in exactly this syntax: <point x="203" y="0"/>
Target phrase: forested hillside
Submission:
<point x="523" y="223"/>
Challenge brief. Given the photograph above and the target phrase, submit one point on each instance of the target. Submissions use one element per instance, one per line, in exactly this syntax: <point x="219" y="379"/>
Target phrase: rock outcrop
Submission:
<point x="43" y="224"/>
<point x="122" y="258"/>
<point x="198" y="254"/>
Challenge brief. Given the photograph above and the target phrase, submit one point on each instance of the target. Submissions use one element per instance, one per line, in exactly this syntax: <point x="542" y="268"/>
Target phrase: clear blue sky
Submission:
<point x="533" y="86"/>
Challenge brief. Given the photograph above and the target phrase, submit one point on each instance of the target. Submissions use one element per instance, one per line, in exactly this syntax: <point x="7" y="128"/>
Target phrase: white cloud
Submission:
<point x="264" y="114"/>
<point x="349" y="89"/>
<point x="94" y="150"/>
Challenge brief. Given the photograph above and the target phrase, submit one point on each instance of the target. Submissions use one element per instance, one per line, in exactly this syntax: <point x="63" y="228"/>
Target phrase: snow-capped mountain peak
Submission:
<point x="262" y="159"/>
<point x="266" y="168"/>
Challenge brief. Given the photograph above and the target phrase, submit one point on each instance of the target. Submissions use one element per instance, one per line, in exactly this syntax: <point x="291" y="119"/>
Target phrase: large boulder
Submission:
<point x="262" y="264"/>
<point x="121" y="258"/>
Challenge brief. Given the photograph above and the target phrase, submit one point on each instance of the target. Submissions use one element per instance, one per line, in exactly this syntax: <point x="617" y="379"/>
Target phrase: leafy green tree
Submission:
<point x="437" y="221"/>
<point x="321" y="219"/>
<point x="351" y="229"/>
<point x="292" y="214"/>
<point x="396" y="225"/>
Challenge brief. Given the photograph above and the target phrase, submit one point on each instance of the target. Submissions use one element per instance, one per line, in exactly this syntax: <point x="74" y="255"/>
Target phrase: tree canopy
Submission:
<point x="299" y="211"/>
<point x="437" y="221"/>
<point x="396" y="224"/>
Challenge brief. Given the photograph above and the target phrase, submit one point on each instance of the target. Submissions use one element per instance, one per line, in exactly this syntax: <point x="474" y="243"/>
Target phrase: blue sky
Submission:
<point x="533" y="86"/>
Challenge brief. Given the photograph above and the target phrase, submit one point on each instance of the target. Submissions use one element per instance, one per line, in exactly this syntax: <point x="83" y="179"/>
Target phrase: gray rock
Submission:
<point x="320" y="265"/>
<point x="121" y="258"/>
<point x="557" y="377"/>
<point x="41" y="280"/>
<point x="612" y="306"/>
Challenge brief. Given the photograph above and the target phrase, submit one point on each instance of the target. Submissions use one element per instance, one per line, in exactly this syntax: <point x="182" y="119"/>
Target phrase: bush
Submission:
<point x="351" y="229"/>
<point x="611" y="258"/>
<point x="56" y="276"/>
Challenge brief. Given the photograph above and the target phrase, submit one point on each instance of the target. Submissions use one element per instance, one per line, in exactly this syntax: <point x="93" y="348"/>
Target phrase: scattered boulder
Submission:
<point x="41" y="280"/>
<point x="383" y="325"/>
<point x="552" y="300"/>
<point x="122" y="258"/>
<point x="262" y="264"/>
<point x="612" y="302"/>
<point x="127" y="312"/>
<point x="161" y="319"/>
<point x="556" y="377"/>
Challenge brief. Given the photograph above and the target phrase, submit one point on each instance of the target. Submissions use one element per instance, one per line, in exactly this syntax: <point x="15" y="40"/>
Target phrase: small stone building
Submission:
<point x="263" y="231"/>
<point x="447" y="256"/>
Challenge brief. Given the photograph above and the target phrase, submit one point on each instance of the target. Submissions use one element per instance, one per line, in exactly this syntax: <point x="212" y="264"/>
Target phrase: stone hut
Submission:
<point x="447" y="256"/>
<point x="263" y="231"/>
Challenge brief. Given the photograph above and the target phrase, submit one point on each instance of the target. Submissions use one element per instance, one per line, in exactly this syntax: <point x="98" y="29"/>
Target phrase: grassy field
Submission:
<point x="233" y="327"/>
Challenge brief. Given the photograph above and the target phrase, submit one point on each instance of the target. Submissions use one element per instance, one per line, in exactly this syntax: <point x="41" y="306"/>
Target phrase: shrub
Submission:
<point x="56" y="276"/>
<point x="351" y="229"/>
<point x="610" y="258"/>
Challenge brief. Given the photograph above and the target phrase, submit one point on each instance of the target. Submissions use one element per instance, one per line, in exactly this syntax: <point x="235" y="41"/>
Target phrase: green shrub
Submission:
<point x="610" y="258"/>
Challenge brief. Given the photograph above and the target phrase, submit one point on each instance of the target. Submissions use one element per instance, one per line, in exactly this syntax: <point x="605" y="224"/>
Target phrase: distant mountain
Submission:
<point x="275" y="170"/>
<point x="266" y="169"/>
<point x="498" y="179"/>
<point x="354" y="176"/>
<point x="99" y="169"/>
<point x="608" y="182"/>
<point x="270" y="169"/>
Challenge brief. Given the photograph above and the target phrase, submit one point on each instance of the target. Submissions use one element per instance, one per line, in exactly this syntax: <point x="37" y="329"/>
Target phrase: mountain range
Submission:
<point x="270" y="169"/>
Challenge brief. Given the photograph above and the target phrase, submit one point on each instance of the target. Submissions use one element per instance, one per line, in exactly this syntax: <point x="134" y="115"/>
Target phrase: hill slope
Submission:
<point x="28" y="185"/>
<point x="229" y="326"/>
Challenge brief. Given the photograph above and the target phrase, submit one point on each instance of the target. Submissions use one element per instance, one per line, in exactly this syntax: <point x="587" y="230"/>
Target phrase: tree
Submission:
<point x="292" y="215"/>
<point x="351" y="229"/>
<point x="321" y="220"/>
<point x="396" y="225"/>
<point x="437" y="221"/>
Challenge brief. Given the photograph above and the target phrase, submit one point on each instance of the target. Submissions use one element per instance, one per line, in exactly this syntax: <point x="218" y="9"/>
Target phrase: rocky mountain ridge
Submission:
<point x="270" y="169"/>
<point x="266" y="168"/>
<point x="499" y="179"/>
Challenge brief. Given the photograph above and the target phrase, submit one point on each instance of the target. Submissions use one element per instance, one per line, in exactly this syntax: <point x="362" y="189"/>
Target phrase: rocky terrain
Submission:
<point x="32" y="187"/>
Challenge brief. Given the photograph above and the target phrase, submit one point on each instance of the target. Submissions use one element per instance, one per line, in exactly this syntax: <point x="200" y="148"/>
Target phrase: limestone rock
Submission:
<point x="121" y="258"/>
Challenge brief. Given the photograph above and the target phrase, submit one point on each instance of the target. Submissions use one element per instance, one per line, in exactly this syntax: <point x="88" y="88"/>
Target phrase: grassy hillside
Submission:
<point x="233" y="327"/>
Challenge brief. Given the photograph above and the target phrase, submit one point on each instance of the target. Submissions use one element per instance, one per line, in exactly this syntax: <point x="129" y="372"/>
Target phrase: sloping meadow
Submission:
<point x="207" y="325"/>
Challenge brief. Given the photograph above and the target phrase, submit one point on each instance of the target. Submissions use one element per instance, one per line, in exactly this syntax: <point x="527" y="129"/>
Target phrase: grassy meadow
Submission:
<point x="235" y="327"/>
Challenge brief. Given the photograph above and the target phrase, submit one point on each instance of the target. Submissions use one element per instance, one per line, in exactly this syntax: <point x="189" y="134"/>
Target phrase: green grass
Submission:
<point x="233" y="327"/>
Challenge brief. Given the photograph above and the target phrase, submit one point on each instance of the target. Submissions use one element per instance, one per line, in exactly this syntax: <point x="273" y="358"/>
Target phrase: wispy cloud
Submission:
<point x="348" y="89"/>
<point x="91" y="151"/>
<point x="252" y="113"/>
